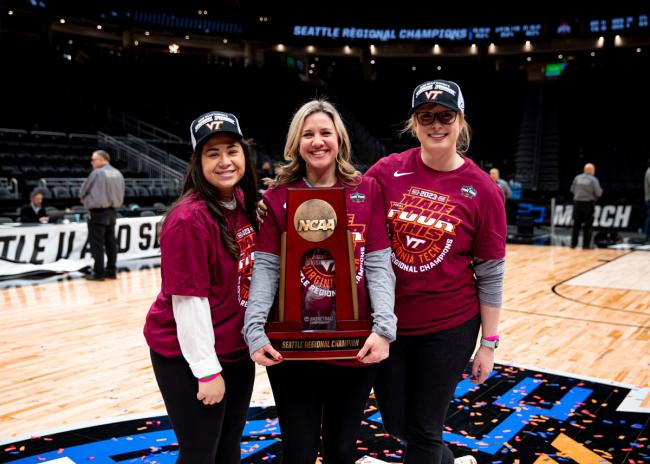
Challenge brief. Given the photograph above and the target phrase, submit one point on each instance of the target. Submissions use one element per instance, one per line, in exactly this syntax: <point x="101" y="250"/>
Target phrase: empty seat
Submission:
<point x="61" y="192"/>
<point x="31" y="170"/>
<point x="141" y="191"/>
<point x="171" y="192"/>
<point x="12" y="170"/>
<point x="159" y="207"/>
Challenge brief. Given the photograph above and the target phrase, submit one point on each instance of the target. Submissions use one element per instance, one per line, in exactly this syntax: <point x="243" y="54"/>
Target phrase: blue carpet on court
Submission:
<point x="517" y="416"/>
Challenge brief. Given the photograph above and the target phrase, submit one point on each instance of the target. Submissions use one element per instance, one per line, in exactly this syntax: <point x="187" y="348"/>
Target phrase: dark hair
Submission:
<point x="196" y="183"/>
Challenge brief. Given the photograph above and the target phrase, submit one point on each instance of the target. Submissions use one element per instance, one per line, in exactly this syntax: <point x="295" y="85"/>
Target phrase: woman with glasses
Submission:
<point x="448" y="231"/>
<point x="324" y="399"/>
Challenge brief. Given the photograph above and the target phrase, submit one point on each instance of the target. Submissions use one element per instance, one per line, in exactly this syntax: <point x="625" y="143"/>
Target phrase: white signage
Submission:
<point x="614" y="216"/>
<point x="65" y="247"/>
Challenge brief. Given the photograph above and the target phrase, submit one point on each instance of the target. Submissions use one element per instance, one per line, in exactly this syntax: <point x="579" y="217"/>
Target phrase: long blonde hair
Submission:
<point x="464" y="136"/>
<point x="296" y="169"/>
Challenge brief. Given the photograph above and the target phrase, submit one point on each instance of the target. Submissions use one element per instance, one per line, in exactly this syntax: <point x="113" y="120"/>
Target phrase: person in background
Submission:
<point x="193" y="328"/>
<point x="503" y="185"/>
<point x="586" y="190"/>
<point x="277" y="168"/>
<point x="34" y="211"/>
<point x="448" y="235"/>
<point x="102" y="193"/>
<point x="324" y="399"/>
<point x="646" y="190"/>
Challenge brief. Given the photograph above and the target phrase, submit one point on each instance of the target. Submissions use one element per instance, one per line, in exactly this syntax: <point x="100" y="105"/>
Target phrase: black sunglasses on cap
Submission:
<point x="427" y="118"/>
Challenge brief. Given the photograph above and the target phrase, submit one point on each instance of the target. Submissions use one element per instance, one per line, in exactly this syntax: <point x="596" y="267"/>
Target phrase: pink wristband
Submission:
<point x="492" y="338"/>
<point x="209" y="378"/>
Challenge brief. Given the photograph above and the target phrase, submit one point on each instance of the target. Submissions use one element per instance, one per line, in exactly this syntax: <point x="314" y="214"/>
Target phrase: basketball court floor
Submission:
<point x="572" y="383"/>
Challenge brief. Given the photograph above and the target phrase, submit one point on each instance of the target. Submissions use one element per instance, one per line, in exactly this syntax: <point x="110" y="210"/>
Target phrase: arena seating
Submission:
<point x="537" y="132"/>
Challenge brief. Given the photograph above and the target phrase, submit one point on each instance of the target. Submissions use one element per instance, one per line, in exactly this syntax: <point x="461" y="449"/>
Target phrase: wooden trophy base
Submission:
<point x="296" y="344"/>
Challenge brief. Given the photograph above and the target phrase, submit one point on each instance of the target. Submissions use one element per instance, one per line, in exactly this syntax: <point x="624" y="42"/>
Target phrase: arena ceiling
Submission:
<point x="416" y="13"/>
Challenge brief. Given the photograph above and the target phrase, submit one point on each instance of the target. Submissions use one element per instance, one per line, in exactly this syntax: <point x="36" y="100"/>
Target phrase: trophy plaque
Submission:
<point x="317" y="315"/>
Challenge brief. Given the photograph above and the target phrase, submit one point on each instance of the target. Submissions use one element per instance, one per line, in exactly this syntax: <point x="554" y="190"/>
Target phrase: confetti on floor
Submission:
<point x="516" y="416"/>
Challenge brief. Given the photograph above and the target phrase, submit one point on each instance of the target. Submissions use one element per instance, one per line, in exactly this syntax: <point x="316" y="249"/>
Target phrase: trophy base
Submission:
<point x="298" y="345"/>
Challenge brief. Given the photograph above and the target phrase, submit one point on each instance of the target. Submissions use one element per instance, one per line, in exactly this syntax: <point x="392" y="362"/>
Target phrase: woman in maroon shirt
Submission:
<point x="448" y="232"/>
<point x="324" y="399"/>
<point x="194" y="327"/>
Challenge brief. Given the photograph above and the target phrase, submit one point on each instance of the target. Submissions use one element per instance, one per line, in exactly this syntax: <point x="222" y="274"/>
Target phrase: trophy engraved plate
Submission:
<point x="318" y="315"/>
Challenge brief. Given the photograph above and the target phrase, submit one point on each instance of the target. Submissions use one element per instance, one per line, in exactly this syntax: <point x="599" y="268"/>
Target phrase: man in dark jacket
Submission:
<point x="34" y="211"/>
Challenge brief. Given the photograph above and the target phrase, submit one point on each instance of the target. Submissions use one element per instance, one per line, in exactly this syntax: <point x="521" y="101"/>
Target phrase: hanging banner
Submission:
<point x="65" y="247"/>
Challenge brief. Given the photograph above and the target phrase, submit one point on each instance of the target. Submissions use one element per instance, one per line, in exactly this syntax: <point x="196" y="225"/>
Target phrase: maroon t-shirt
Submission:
<point x="367" y="225"/>
<point x="439" y="222"/>
<point x="194" y="262"/>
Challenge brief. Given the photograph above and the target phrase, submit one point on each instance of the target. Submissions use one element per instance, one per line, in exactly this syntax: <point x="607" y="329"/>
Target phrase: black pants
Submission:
<point x="314" y="398"/>
<point x="583" y="216"/>
<point x="646" y="226"/>
<point x="101" y="235"/>
<point x="206" y="434"/>
<point x="415" y="385"/>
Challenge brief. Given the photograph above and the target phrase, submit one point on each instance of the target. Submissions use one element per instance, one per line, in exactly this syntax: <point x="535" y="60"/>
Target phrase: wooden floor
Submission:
<point x="73" y="352"/>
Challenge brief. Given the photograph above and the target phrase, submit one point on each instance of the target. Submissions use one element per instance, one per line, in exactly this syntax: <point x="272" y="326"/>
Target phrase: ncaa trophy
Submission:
<point x="308" y="327"/>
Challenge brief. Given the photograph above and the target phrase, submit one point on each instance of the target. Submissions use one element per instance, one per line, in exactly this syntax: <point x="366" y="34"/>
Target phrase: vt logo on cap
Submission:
<point x="440" y="92"/>
<point x="212" y="123"/>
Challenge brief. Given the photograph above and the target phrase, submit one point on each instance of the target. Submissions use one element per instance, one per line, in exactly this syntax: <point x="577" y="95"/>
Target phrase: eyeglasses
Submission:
<point x="429" y="117"/>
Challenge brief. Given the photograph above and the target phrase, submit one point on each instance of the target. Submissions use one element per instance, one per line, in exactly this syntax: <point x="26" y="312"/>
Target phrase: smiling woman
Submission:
<point x="193" y="328"/>
<point x="448" y="234"/>
<point x="223" y="162"/>
<point x="331" y="406"/>
<point x="318" y="148"/>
